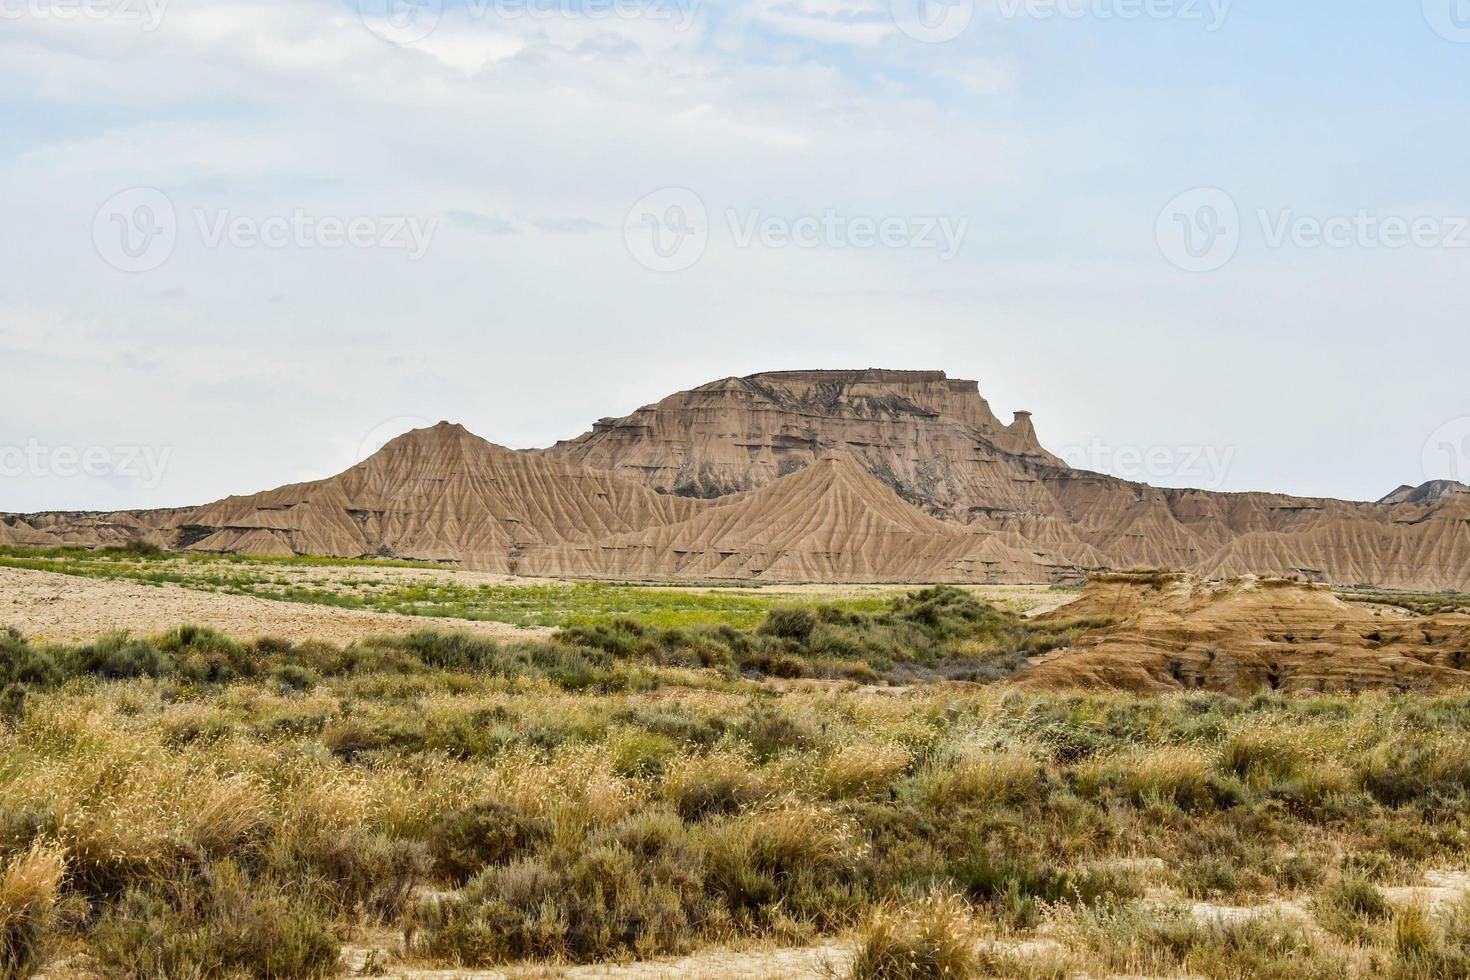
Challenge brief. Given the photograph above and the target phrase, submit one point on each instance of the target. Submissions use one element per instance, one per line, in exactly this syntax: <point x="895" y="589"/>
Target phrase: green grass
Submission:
<point x="291" y="580"/>
<point x="589" y="603"/>
<point x="136" y="552"/>
<point x="1419" y="603"/>
<point x="940" y="632"/>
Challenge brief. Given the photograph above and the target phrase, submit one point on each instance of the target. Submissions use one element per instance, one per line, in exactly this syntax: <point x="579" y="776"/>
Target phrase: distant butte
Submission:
<point x="864" y="476"/>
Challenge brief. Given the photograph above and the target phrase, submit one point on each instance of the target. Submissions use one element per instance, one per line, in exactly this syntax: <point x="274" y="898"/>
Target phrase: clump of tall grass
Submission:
<point x="1175" y="774"/>
<point x="932" y="939"/>
<point x="722" y="782"/>
<point x="219" y="923"/>
<point x="1138" y="940"/>
<point x="863" y="769"/>
<point x="1007" y="778"/>
<point x="28" y="890"/>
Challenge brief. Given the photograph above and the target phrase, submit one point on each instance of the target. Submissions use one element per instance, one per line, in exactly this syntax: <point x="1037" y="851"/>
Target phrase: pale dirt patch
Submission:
<point x="70" y="608"/>
<point x="822" y="961"/>
<point x="801" y="963"/>
<point x="1439" y="888"/>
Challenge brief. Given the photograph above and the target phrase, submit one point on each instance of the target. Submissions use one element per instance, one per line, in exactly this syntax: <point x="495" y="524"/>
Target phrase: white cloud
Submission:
<point x="516" y="130"/>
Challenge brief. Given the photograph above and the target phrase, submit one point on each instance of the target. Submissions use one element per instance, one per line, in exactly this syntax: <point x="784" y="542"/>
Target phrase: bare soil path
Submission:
<point x="70" y="608"/>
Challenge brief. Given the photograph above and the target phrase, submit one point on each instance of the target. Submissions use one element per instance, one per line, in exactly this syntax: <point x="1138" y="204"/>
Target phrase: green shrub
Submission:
<point x="453" y="651"/>
<point x="1350" y="907"/>
<point x="1016" y="886"/>
<point x="219" y="926"/>
<point x="294" y="677"/>
<point x="352" y="871"/>
<point x="21" y="663"/>
<point x="116" y="657"/>
<point x="467" y="841"/>
<point x="350" y="738"/>
<point x="704" y="786"/>
<point x="790" y="623"/>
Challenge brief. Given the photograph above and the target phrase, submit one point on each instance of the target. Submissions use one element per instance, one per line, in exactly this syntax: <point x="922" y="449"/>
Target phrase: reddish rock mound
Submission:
<point x="1171" y="631"/>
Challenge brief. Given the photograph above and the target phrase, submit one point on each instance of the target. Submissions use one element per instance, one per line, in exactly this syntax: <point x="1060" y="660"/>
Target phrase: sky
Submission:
<point x="1219" y="243"/>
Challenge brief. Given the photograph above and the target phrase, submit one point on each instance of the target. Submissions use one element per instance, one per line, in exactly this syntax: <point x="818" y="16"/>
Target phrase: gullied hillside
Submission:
<point x="831" y="521"/>
<point x="439" y="494"/>
<point x="824" y="475"/>
<point x="87" y="530"/>
<point x="1175" y="632"/>
<point x="1409" y="545"/>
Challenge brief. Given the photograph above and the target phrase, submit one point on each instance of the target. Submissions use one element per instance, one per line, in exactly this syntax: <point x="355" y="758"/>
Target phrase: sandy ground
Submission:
<point x="69" y="608"/>
<point x="814" y="962"/>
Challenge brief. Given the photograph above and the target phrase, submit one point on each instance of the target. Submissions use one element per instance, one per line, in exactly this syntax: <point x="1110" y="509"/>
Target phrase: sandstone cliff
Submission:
<point x="932" y="439"/>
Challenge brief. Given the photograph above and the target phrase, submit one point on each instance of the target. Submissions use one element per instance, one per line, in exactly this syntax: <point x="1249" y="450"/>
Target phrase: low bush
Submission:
<point x="218" y="924"/>
<point x="1351" y="907"/>
<point x="484" y="835"/>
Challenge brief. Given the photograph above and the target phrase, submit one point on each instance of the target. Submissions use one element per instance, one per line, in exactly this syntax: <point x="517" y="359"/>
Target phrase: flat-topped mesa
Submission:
<point x="854" y="375"/>
<point x="911" y="429"/>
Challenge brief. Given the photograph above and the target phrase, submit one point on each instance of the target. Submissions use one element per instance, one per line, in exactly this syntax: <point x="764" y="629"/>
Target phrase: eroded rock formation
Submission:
<point x="1170" y="632"/>
<point x="822" y="475"/>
